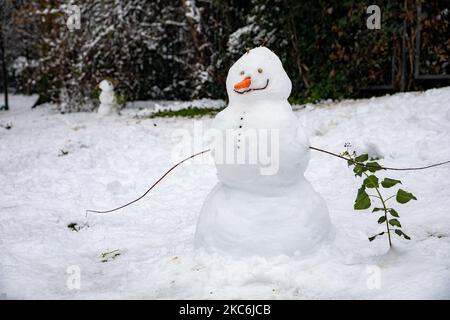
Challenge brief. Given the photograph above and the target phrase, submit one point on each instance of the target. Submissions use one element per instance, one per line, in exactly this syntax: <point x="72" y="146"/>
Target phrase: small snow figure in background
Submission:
<point x="249" y="212"/>
<point x="108" y="102"/>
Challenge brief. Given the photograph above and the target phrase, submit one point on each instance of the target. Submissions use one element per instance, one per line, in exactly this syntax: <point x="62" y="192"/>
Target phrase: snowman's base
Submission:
<point x="241" y="223"/>
<point x="107" y="109"/>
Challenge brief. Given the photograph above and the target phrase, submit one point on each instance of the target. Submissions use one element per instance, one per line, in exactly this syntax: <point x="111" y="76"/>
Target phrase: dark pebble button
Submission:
<point x="240" y="126"/>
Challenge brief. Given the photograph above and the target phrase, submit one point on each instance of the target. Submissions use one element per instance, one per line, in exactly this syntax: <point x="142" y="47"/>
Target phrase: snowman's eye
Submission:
<point x="259" y="70"/>
<point x="242" y="73"/>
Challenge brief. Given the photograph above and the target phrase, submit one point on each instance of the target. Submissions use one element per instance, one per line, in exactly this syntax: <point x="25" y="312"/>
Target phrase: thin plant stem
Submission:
<point x="385" y="213"/>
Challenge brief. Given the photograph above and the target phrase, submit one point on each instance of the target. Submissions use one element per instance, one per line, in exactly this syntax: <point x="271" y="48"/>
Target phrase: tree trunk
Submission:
<point x="4" y="70"/>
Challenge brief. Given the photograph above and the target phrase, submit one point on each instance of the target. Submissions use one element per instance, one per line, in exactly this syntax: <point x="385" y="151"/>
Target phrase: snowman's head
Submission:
<point x="106" y="85"/>
<point x="258" y="75"/>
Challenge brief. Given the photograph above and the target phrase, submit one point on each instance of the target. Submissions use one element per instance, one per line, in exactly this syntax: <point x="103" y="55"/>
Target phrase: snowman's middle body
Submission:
<point x="249" y="212"/>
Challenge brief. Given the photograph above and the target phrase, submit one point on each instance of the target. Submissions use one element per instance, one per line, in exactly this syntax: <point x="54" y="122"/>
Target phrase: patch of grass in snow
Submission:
<point x="190" y="112"/>
<point x="7" y="126"/>
<point x="437" y="235"/>
<point x="110" y="255"/>
<point x="63" y="153"/>
<point x="74" y="226"/>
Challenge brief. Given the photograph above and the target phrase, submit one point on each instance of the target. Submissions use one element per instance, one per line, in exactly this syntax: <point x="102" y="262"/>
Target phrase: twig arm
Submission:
<point x="381" y="167"/>
<point x="157" y="181"/>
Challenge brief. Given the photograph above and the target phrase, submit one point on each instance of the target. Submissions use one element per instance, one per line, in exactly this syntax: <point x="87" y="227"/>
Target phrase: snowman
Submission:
<point x="108" y="103"/>
<point x="256" y="208"/>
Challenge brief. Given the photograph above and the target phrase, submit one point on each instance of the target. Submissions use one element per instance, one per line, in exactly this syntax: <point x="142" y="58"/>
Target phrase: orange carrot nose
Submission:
<point x="244" y="84"/>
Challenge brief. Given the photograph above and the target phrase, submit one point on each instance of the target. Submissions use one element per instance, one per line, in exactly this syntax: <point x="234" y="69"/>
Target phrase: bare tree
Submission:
<point x="5" y="24"/>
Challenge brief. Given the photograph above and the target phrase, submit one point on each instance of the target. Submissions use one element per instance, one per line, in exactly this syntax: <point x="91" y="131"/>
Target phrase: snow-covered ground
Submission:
<point x="114" y="159"/>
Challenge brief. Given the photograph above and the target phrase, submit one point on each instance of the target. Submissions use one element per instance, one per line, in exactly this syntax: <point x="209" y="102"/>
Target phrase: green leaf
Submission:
<point x="381" y="219"/>
<point x="373" y="237"/>
<point x="371" y="182"/>
<point x="350" y="162"/>
<point x="404" y="197"/>
<point x="401" y="233"/>
<point x="395" y="223"/>
<point x="359" y="169"/>
<point x="373" y="166"/>
<point x="377" y="209"/>
<point x="362" y="158"/>
<point x="393" y="212"/>
<point x="362" y="199"/>
<point x="387" y="182"/>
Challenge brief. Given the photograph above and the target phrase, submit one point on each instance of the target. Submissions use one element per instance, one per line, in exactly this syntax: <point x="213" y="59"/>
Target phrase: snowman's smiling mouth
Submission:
<point x="252" y="89"/>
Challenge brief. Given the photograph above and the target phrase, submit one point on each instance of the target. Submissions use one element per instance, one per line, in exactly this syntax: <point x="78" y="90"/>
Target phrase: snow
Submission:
<point x="235" y="39"/>
<point x="192" y="11"/>
<point x="112" y="160"/>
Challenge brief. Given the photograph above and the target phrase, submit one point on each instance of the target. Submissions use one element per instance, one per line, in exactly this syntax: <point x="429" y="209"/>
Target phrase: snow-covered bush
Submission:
<point x="182" y="49"/>
<point x="152" y="50"/>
